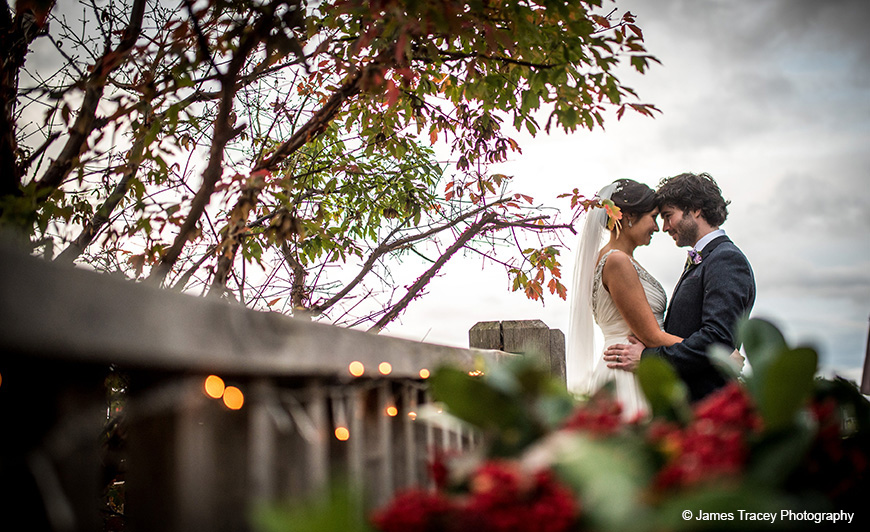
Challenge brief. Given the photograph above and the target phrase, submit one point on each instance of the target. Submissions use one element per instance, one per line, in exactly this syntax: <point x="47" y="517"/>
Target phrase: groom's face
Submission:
<point x="681" y="225"/>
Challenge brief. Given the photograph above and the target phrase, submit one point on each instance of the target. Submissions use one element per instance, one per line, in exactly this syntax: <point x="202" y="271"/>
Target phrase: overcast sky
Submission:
<point x="770" y="97"/>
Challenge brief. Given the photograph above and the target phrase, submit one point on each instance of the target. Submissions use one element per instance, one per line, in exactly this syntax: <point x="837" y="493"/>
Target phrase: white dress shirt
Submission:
<point x="706" y="239"/>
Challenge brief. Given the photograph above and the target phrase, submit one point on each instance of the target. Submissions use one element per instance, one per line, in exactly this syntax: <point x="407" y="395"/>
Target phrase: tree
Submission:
<point x="258" y="150"/>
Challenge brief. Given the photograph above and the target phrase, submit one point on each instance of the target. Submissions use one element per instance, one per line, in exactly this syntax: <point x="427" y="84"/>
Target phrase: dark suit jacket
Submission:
<point x="707" y="303"/>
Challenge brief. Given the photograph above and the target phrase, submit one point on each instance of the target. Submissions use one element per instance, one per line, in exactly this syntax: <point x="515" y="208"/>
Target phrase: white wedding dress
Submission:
<point x="616" y="331"/>
<point x="586" y="369"/>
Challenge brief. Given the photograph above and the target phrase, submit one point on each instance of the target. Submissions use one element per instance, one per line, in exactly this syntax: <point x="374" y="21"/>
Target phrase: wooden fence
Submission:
<point x="185" y="460"/>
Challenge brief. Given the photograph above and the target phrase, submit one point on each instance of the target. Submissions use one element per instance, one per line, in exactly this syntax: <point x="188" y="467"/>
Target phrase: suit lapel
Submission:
<point x="708" y="249"/>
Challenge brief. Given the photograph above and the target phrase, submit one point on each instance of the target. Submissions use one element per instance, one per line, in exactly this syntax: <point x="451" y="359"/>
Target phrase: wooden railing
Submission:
<point x="183" y="460"/>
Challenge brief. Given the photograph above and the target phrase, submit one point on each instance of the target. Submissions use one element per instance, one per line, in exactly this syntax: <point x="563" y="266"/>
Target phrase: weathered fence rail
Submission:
<point x="188" y="462"/>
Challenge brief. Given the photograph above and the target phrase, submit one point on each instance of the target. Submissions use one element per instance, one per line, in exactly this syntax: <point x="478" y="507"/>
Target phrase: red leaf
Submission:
<point x="392" y="93"/>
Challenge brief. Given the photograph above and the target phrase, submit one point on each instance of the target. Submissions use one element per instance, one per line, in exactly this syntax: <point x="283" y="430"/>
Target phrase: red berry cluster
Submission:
<point x="501" y="498"/>
<point x="415" y="511"/>
<point x="600" y="415"/>
<point x="713" y="445"/>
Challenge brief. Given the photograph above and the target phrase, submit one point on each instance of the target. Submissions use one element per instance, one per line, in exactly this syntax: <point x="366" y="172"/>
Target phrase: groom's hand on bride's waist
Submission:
<point x="624" y="356"/>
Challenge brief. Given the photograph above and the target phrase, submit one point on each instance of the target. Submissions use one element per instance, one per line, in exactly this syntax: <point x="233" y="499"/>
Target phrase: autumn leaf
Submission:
<point x="614" y="214"/>
<point x="534" y="291"/>
<point x="557" y="288"/>
<point x="392" y="93"/>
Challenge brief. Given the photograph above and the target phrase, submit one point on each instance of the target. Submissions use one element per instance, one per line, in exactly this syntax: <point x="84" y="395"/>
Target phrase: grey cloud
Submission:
<point x="737" y="70"/>
<point x="835" y="281"/>
<point x="836" y="204"/>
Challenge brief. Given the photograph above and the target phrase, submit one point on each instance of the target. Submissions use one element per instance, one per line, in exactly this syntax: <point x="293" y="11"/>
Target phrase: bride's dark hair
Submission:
<point x="633" y="199"/>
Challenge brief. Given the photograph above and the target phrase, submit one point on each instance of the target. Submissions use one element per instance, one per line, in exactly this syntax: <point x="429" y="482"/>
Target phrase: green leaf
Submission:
<point x="785" y="386"/>
<point x="761" y="340"/>
<point x="608" y="474"/>
<point x="776" y="455"/>
<point x="472" y="399"/>
<point x="664" y="390"/>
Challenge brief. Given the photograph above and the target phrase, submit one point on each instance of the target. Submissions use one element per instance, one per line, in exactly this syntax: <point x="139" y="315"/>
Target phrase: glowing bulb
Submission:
<point x="214" y="386"/>
<point x="356" y="368"/>
<point x="233" y="398"/>
<point x="412" y="415"/>
<point x="392" y="411"/>
<point x="342" y="434"/>
<point x="385" y="368"/>
<point x="424" y="373"/>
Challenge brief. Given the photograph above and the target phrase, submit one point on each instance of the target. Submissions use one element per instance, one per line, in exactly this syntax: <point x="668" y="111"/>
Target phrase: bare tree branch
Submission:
<point x="84" y="123"/>
<point x="297" y="290"/>
<point x="104" y="212"/>
<point x="223" y="134"/>
<point x="415" y="289"/>
<point x="318" y="122"/>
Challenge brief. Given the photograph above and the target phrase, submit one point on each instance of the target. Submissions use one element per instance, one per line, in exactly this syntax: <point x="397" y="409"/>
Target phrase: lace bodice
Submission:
<point x="604" y="309"/>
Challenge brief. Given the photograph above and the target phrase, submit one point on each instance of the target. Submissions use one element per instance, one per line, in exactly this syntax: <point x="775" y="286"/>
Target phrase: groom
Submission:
<point x="716" y="289"/>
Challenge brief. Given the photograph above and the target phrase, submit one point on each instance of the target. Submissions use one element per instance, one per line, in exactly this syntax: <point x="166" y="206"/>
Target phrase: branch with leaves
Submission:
<point x="258" y="150"/>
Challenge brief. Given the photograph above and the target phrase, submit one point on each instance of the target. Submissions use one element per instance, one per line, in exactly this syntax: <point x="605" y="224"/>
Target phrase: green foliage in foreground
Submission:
<point x="775" y="441"/>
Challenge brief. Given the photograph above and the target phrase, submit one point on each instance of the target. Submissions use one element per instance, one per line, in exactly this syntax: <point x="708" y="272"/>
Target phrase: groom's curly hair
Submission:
<point x="689" y="192"/>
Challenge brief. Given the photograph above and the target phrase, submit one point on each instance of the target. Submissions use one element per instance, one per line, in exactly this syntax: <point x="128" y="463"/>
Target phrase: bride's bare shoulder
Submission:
<point x="614" y="256"/>
<point x="619" y="264"/>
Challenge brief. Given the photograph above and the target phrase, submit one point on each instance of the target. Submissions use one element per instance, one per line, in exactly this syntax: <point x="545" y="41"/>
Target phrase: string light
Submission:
<point x="392" y="411"/>
<point x="356" y="368"/>
<point x="342" y="434"/>
<point x="424" y="373"/>
<point x="233" y="398"/>
<point x="339" y="417"/>
<point x="385" y="368"/>
<point x="412" y="415"/>
<point x="214" y="386"/>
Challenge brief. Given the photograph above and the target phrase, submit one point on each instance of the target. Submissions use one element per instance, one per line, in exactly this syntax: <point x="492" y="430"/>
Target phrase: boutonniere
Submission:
<point x="695" y="257"/>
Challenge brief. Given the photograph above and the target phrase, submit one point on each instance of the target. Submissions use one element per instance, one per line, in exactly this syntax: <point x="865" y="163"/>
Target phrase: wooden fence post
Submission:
<point x="522" y="337"/>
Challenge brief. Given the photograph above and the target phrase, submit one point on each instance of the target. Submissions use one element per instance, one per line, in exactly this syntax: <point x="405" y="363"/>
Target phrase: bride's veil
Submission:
<point x="580" y="354"/>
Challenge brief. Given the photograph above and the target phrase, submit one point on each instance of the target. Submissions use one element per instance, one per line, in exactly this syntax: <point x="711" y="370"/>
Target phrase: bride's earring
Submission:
<point x="629" y="223"/>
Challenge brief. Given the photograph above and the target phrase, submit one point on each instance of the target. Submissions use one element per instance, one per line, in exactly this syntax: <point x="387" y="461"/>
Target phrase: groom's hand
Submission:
<point x="624" y="356"/>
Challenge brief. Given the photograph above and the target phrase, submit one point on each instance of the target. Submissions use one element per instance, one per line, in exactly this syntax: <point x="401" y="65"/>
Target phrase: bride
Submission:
<point x="622" y="297"/>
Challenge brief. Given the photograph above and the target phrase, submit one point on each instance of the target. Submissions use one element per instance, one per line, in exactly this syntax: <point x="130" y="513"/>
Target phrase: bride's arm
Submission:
<point x="621" y="280"/>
